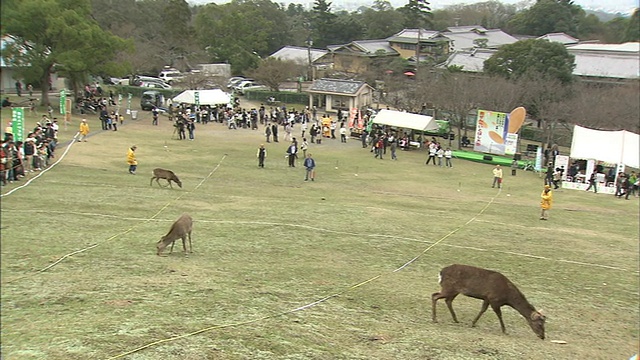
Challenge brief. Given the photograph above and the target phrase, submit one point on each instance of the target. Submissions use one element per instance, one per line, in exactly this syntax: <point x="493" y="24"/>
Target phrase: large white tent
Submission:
<point x="616" y="147"/>
<point x="405" y="120"/>
<point x="205" y="97"/>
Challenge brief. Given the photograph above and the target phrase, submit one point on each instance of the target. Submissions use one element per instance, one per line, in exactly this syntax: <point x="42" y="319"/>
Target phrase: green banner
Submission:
<point x="119" y="99"/>
<point x="17" y="123"/>
<point x="196" y="96"/>
<point x="63" y="102"/>
<point x="129" y="101"/>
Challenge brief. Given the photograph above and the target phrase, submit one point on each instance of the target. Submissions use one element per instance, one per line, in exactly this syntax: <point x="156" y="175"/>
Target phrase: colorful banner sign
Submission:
<point x="196" y="97"/>
<point x="17" y="123"/>
<point x="491" y="131"/>
<point x="63" y="102"/>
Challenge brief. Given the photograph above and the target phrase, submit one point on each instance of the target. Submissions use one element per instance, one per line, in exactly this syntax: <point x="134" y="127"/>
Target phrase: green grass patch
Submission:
<point x="266" y="242"/>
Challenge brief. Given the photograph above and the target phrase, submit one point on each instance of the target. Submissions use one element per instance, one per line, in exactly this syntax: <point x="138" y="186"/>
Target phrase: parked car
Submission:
<point x="234" y="80"/>
<point x="155" y="85"/>
<point x="170" y="75"/>
<point x="151" y="99"/>
<point x="138" y="79"/>
<point x="248" y="85"/>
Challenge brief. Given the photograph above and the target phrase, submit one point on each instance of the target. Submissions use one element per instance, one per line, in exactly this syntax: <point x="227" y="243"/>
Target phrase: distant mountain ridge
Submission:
<point x="606" y="16"/>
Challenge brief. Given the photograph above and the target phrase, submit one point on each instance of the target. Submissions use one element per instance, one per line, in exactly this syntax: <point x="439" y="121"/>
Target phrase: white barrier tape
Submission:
<point x="43" y="171"/>
<point x="116" y="235"/>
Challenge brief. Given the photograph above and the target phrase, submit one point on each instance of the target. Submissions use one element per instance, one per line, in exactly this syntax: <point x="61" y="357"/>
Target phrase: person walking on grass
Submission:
<point x="448" y="154"/>
<point x="84" y="130"/>
<point x="497" y="176"/>
<point x="262" y="154"/>
<point x="592" y="182"/>
<point x="545" y="202"/>
<point x="131" y="160"/>
<point x="310" y="166"/>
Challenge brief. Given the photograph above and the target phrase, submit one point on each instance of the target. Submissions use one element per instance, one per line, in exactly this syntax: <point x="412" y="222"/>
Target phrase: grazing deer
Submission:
<point x="164" y="174"/>
<point x="491" y="287"/>
<point x="180" y="229"/>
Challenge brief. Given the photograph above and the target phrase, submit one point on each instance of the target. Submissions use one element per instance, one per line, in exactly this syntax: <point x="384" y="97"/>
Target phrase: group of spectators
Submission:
<point x="17" y="158"/>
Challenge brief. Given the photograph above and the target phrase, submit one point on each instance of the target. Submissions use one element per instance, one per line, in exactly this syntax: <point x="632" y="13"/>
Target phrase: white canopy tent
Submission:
<point x="405" y="120"/>
<point x="205" y="97"/>
<point x="616" y="147"/>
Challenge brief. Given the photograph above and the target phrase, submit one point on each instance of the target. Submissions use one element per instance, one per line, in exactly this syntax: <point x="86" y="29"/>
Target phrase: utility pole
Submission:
<point x="421" y="10"/>
<point x="310" y="69"/>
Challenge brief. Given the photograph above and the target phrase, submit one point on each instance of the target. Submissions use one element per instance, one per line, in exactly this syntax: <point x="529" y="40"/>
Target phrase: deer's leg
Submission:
<point x="151" y="181"/>
<point x="190" y="245"/>
<point x="485" y="305"/>
<point x="158" y="181"/>
<point x="169" y="181"/>
<point x="184" y="244"/>
<point x="449" y="300"/>
<point x="498" y="312"/>
<point x="172" y="243"/>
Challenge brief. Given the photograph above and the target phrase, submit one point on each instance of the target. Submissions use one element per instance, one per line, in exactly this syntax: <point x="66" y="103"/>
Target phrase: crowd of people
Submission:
<point x="17" y="158"/>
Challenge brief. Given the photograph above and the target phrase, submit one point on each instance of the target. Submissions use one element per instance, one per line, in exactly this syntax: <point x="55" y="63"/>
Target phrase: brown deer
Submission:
<point x="165" y="174"/>
<point x="491" y="287"/>
<point x="180" y="229"/>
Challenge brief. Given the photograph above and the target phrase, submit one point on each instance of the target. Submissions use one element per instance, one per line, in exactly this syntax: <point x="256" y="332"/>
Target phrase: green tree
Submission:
<point x="632" y="31"/>
<point x="242" y="31"/>
<point x="614" y="29"/>
<point x="381" y="21"/>
<point x="64" y="38"/>
<point x="533" y="58"/>
<point x="417" y="14"/>
<point x="322" y="23"/>
<point x="547" y="16"/>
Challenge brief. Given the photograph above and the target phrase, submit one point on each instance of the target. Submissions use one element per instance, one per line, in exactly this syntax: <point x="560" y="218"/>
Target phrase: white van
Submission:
<point x="170" y="75"/>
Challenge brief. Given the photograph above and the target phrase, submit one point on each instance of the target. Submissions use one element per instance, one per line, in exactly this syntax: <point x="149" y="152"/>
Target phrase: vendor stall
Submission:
<point x="620" y="148"/>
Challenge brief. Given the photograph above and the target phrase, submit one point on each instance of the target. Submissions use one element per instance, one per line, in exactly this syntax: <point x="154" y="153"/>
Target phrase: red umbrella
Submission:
<point x="409" y="73"/>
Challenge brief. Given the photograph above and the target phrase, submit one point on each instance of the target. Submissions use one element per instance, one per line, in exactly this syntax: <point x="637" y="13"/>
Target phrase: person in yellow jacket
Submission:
<point x="84" y="130"/>
<point x="545" y="202"/>
<point x="131" y="160"/>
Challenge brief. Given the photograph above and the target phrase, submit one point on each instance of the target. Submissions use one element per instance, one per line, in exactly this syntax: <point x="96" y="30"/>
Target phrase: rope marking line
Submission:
<point x="312" y="304"/>
<point x="118" y="234"/>
<point x="73" y="141"/>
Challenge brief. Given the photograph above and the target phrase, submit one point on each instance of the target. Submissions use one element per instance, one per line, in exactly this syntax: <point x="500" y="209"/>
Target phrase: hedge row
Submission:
<point x="282" y="96"/>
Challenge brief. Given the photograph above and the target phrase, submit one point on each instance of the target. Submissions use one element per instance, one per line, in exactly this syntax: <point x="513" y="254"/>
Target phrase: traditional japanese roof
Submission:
<point x="298" y="54"/>
<point x="471" y="60"/>
<point x="336" y="86"/>
<point x="410" y="36"/>
<point x="367" y="48"/>
<point x="559" y="37"/>
<point x="466" y="28"/>
<point x="607" y="60"/>
<point x="465" y="40"/>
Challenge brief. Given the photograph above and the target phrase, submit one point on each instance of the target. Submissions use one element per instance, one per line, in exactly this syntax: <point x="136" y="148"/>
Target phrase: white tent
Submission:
<point x="405" y="120"/>
<point x="616" y="147"/>
<point x="205" y="97"/>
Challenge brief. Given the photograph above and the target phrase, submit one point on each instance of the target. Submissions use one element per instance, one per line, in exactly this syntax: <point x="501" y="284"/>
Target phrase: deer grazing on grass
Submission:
<point x="165" y="174"/>
<point x="180" y="229"/>
<point x="491" y="287"/>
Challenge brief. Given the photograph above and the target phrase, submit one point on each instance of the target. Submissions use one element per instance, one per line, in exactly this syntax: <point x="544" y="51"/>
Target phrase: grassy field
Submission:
<point x="268" y="245"/>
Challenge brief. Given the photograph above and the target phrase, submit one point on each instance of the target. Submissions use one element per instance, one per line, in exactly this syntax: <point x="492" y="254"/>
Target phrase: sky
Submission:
<point x="613" y="6"/>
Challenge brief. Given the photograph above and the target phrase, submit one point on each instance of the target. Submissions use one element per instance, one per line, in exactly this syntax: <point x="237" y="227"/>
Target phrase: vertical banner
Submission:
<point x="491" y="131"/>
<point x="562" y="162"/>
<point x="538" y="165"/>
<point x="67" y="115"/>
<point x="129" y="103"/>
<point x="196" y="97"/>
<point x="17" y="123"/>
<point x="63" y="102"/>
<point x="511" y="144"/>
<point x="352" y="117"/>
